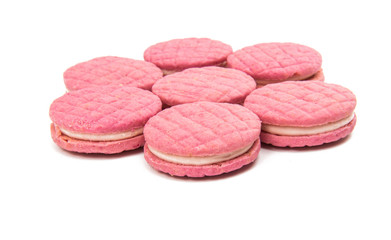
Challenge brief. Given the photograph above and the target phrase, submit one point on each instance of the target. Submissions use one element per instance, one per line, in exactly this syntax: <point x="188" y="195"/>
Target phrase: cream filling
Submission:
<point x="168" y="72"/>
<point x="297" y="131"/>
<point x="263" y="82"/>
<point x="199" y="160"/>
<point x="103" y="137"/>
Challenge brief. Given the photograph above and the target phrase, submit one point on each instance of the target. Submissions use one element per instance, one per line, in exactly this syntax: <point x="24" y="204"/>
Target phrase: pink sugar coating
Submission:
<point x="309" y="140"/>
<point x="276" y="61"/>
<point x="202" y="129"/>
<point x="105" y="147"/>
<point x="213" y="84"/>
<point x="301" y="103"/>
<point x="181" y="170"/>
<point x="103" y="71"/>
<point x="179" y="54"/>
<point x="108" y="109"/>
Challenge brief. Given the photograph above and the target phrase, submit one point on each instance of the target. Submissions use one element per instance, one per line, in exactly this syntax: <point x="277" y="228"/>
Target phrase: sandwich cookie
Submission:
<point x="178" y="54"/>
<point x="212" y="84"/>
<point x="202" y="139"/>
<point x="277" y="62"/>
<point x="304" y="113"/>
<point x="103" y="71"/>
<point x="102" y="119"/>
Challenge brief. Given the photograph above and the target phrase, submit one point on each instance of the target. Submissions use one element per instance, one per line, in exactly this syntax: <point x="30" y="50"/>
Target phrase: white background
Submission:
<point x="337" y="191"/>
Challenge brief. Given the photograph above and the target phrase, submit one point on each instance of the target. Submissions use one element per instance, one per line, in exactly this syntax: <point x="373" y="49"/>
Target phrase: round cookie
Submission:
<point x="106" y="119"/>
<point x="178" y="54"/>
<point x="202" y="139"/>
<point x="103" y="71"/>
<point x="212" y="84"/>
<point x="303" y="113"/>
<point x="277" y="62"/>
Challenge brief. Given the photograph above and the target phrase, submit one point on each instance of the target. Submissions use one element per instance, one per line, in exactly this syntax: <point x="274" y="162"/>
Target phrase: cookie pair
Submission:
<point x="196" y="139"/>
<point x="190" y="139"/>
<point x="265" y="62"/>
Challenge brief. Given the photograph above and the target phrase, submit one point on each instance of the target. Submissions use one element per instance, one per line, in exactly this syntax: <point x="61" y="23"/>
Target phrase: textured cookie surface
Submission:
<point x="202" y="129"/>
<point x="108" y="70"/>
<point x="179" y="54"/>
<point x="276" y="61"/>
<point x="107" y="109"/>
<point x="213" y="84"/>
<point x="205" y="170"/>
<point x="301" y="103"/>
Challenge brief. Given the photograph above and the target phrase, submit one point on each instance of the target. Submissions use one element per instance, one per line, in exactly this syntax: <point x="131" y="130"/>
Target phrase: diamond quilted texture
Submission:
<point x="202" y="129"/>
<point x="119" y="71"/>
<point x="276" y="61"/>
<point x="213" y="84"/>
<point x="179" y="54"/>
<point x="107" y="109"/>
<point x="305" y="103"/>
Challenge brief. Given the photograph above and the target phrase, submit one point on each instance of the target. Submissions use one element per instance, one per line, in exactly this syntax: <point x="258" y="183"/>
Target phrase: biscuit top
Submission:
<point x="179" y="54"/>
<point x="104" y="110"/>
<point x="301" y="103"/>
<point x="276" y="61"/>
<point x="103" y="71"/>
<point x="202" y="129"/>
<point x="214" y="84"/>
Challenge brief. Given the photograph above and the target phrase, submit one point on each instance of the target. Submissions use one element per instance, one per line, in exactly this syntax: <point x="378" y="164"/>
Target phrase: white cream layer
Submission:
<point x="103" y="137"/>
<point x="197" y="160"/>
<point x="298" y="131"/>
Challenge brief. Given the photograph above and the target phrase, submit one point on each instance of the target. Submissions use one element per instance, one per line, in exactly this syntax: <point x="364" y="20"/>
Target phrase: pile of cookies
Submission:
<point x="218" y="105"/>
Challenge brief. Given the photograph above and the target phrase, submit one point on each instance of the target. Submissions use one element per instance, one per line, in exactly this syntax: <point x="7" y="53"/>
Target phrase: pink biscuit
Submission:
<point x="204" y="170"/>
<point x="202" y="129"/>
<point x="302" y="104"/>
<point x="103" y="110"/>
<point x="179" y="54"/>
<point x="214" y="84"/>
<point x="276" y="61"/>
<point x="119" y="71"/>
